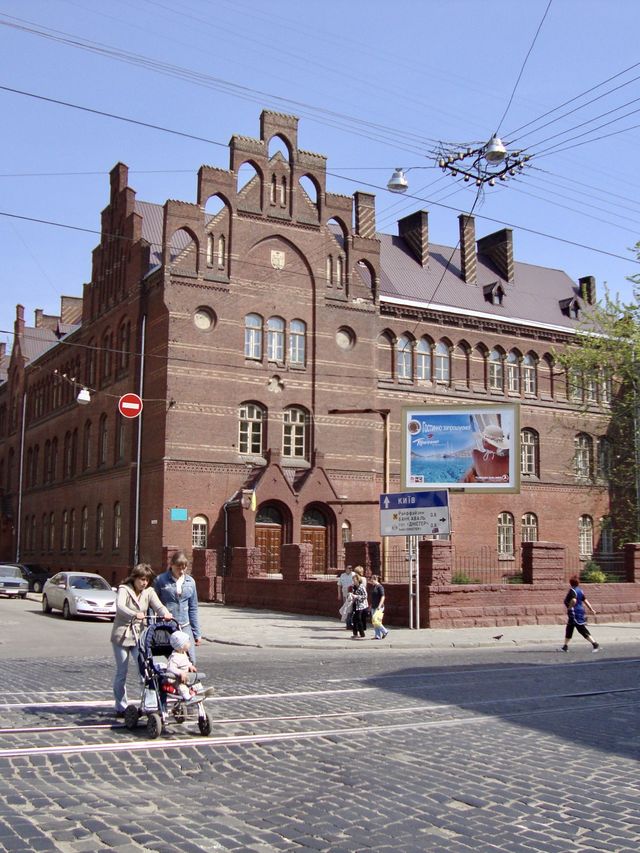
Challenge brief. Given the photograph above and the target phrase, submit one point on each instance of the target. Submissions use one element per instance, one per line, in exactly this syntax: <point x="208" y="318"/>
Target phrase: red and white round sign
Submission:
<point x="130" y="405"/>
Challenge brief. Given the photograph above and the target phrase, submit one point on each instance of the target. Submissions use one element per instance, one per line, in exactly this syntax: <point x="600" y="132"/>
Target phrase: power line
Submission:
<point x="546" y="12"/>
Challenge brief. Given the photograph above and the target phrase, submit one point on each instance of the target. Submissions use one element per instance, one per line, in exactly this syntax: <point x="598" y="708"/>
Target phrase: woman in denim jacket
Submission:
<point x="176" y="589"/>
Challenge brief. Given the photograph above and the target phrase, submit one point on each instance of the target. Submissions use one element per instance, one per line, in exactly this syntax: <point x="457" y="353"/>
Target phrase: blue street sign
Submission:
<point x="414" y="513"/>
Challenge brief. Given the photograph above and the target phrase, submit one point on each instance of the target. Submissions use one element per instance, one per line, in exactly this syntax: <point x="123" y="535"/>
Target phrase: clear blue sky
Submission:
<point x="423" y="70"/>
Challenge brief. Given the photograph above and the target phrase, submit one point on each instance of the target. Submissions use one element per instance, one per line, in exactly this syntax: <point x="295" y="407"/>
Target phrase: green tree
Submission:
<point x="606" y="360"/>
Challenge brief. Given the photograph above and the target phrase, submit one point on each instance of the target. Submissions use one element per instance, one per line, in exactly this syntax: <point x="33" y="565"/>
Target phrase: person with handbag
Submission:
<point x="360" y="607"/>
<point x="134" y="599"/>
<point x="377" y="609"/>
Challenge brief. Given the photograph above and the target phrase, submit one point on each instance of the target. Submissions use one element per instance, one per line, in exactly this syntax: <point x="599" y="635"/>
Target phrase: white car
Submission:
<point x="79" y="594"/>
<point x="12" y="583"/>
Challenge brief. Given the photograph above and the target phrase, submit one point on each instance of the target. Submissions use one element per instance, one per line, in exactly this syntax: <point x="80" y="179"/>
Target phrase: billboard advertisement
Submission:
<point x="475" y="448"/>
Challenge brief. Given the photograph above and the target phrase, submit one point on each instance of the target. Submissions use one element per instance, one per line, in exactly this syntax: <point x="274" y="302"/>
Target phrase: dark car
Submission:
<point x="34" y="575"/>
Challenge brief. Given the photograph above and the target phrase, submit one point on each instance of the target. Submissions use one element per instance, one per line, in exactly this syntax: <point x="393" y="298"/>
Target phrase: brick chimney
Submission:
<point x="498" y="248"/>
<point x="468" y="262"/>
<point x="18" y="326"/>
<point x="414" y="230"/>
<point x="365" y="214"/>
<point x="587" y="289"/>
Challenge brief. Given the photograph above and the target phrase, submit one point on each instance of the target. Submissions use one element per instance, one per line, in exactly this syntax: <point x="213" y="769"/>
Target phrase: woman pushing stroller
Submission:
<point x="135" y="598"/>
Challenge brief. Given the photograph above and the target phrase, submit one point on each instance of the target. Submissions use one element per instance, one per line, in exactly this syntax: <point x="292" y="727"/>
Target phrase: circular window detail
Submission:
<point x="345" y="337"/>
<point x="204" y="319"/>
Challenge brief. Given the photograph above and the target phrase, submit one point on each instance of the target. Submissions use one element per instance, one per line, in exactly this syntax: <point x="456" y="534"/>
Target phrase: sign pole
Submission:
<point x="417" y="583"/>
<point x="410" y="540"/>
<point x="136" y="535"/>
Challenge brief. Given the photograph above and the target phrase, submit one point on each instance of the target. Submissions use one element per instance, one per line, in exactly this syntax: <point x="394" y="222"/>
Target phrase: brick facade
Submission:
<point x="236" y="424"/>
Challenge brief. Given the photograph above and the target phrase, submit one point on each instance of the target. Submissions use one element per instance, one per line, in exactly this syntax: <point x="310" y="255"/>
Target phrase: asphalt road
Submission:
<point x="439" y="750"/>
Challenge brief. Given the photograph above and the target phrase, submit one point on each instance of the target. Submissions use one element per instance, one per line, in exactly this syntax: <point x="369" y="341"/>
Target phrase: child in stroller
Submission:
<point x="161" y="701"/>
<point x="180" y="665"/>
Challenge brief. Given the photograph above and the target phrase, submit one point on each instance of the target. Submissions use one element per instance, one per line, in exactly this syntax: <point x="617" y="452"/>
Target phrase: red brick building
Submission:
<point x="242" y="318"/>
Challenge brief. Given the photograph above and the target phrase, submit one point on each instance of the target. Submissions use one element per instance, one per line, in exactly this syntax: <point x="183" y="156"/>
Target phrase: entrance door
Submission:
<point x="314" y="533"/>
<point x="269" y="538"/>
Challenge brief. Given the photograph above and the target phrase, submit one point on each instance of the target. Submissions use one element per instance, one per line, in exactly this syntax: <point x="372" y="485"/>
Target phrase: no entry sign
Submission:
<point x="130" y="405"/>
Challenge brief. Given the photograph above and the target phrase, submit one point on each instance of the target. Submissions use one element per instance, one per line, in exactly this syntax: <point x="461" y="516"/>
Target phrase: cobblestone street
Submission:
<point x="508" y="750"/>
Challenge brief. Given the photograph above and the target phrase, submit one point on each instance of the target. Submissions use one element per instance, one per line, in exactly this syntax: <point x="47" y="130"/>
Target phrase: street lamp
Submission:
<point x="384" y="414"/>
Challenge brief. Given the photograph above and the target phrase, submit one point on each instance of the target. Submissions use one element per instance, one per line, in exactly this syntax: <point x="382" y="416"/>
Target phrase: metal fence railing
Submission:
<point x="486" y="565"/>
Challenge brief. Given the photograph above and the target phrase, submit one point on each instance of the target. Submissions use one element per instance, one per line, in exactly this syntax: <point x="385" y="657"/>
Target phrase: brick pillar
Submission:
<point x="204" y="569"/>
<point x="365" y="554"/>
<point x="246" y="563"/>
<point x="297" y="562"/>
<point x="436" y="562"/>
<point x="543" y="563"/>
<point x="632" y="562"/>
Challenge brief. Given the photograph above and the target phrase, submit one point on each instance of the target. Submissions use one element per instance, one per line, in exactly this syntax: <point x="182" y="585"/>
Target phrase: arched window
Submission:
<point x="339" y="271"/>
<point x="423" y="360"/>
<point x="605" y="457"/>
<point x="44" y="544"/>
<point x="66" y="457"/>
<point x="33" y="539"/>
<point x="251" y="425"/>
<point x="583" y="457"/>
<point x="513" y="372"/>
<point x="529" y="453"/>
<point x="529" y="527"/>
<point x="117" y="526"/>
<point x="385" y="357"/>
<point x="496" y="370"/>
<point x="84" y="528"/>
<point x="103" y="439"/>
<point x="283" y="191"/>
<point x="253" y="336"/>
<point x="199" y="531"/>
<point x="29" y="477"/>
<point x="404" y="358"/>
<point x="297" y="342"/>
<point x="329" y="269"/>
<point x="72" y="529"/>
<point x="575" y="385"/>
<point x="53" y="461"/>
<point x="90" y="364"/>
<point x="274" y="189"/>
<point x="585" y="536"/>
<point x="107" y="344"/>
<point x="606" y="535"/>
<point x="99" y="527"/>
<point x="64" y="539"/>
<point x="442" y="366"/>
<point x="86" y="446"/>
<point x="346" y="532"/>
<point x="222" y="251"/>
<point x="47" y="462"/>
<point x="52" y="531"/>
<point x="210" y="249"/>
<point x="294" y="437"/>
<point x="123" y="345"/>
<point x="120" y="439"/>
<point x="275" y="339"/>
<point x="505" y="535"/>
<point x="529" y="377"/>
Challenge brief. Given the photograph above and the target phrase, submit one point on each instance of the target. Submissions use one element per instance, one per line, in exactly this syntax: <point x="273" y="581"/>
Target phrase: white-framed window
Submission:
<point x="529" y="531"/>
<point x="345" y="529"/>
<point x="496" y="370"/>
<point x="84" y="528"/>
<point x="251" y="425"/>
<point x="253" y="336"/>
<point x="606" y="387"/>
<point x="199" y="531"/>
<point x="606" y="535"/>
<point x="575" y="385"/>
<point x="590" y="387"/>
<point x="294" y="433"/>
<point x="275" y="339"/>
<point x="585" y="536"/>
<point x="404" y="358"/>
<point x="513" y="372"/>
<point x="99" y="527"/>
<point x="117" y="526"/>
<point x="583" y="456"/>
<point x="604" y="458"/>
<point x="442" y="362"/>
<point x="505" y="535"/>
<point x="423" y="359"/>
<point x="297" y="342"/>
<point x="529" y="452"/>
<point x="529" y="375"/>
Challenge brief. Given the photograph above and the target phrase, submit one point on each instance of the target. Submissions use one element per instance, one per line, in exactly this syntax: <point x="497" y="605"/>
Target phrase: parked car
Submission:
<point x="11" y="581"/>
<point x="79" y="594"/>
<point x="34" y="575"/>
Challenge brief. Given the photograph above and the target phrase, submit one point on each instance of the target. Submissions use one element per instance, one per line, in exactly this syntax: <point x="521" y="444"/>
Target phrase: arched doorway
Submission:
<point x="269" y="528"/>
<point x="314" y="532"/>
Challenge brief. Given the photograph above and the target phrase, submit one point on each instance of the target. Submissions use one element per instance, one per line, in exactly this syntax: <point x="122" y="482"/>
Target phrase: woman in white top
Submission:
<point x="135" y="597"/>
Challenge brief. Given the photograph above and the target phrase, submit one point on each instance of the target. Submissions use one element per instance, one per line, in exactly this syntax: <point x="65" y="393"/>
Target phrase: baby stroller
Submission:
<point x="160" y="701"/>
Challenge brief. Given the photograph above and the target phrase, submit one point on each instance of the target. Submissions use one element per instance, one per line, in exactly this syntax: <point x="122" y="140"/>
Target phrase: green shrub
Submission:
<point x="462" y="578"/>
<point x="515" y="578"/>
<point x="592" y="573"/>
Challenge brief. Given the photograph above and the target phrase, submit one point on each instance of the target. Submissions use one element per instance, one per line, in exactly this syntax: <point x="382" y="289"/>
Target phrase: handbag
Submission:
<point x="377" y="618"/>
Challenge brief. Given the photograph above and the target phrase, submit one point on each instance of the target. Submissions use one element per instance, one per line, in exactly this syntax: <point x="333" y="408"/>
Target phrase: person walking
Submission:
<point x="176" y="589"/>
<point x="377" y="607"/>
<point x="134" y="600"/>
<point x="575" y="601"/>
<point x="360" y="607"/>
<point x="345" y="583"/>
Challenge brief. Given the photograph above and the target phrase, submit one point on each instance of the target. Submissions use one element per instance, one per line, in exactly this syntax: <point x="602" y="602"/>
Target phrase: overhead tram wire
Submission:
<point x="555" y="149"/>
<point x="557" y="176"/>
<point x="360" y="127"/>
<point x="510" y="135"/>
<point x="546" y="12"/>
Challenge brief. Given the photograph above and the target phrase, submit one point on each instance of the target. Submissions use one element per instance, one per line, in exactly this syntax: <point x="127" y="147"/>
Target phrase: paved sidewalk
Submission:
<point x="269" y="629"/>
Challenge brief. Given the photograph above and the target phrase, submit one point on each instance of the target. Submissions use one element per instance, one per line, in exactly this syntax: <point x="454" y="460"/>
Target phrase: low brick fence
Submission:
<point x="538" y="600"/>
